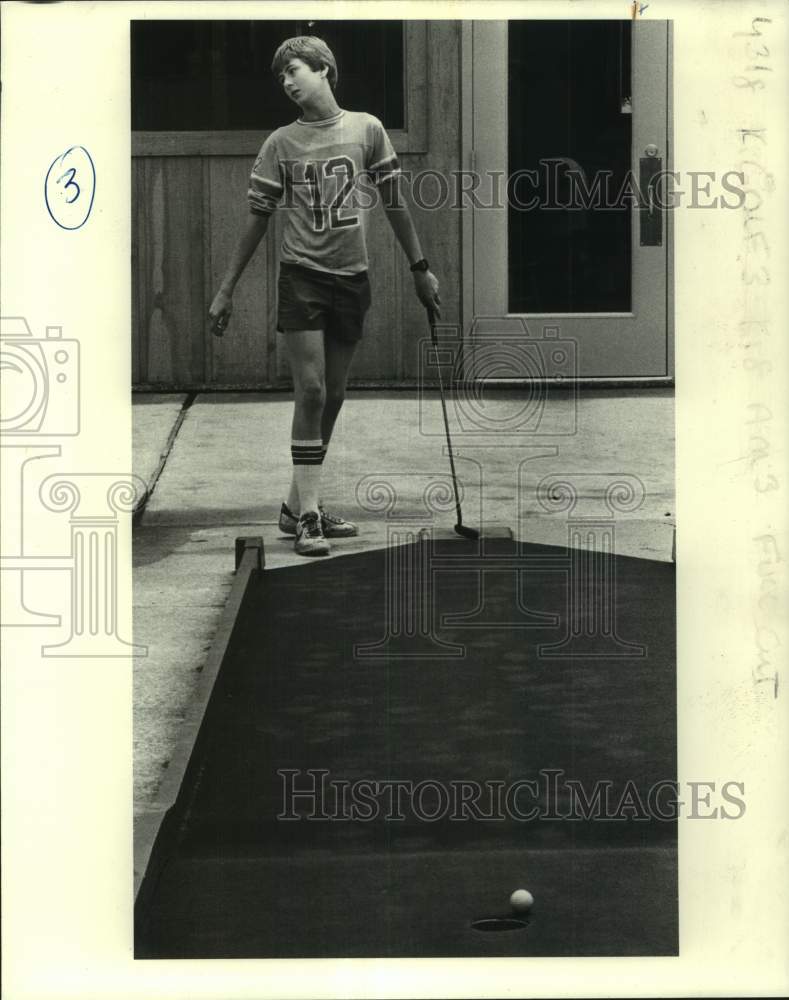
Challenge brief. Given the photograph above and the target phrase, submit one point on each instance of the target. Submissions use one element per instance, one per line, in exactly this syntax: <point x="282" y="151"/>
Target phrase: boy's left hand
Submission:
<point x="426" y="286"/>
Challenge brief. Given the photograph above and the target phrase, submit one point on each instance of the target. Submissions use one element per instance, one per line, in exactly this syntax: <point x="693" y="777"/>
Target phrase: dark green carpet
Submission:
<point x="293" y="694"/>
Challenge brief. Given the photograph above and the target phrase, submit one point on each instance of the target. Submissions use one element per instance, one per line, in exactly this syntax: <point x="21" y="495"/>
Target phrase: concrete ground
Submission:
<point x="155" y="424"/>
<point x="220" y="468"/>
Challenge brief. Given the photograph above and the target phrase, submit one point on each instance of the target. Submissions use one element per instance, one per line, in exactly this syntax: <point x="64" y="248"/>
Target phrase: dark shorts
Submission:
<point x="316" y="300"/>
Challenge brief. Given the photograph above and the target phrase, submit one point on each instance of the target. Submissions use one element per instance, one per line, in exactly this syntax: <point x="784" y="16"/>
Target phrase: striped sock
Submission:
<point x="307" y="460"/>
<point x="307" y="452"/>
<point x="325" y="448"/>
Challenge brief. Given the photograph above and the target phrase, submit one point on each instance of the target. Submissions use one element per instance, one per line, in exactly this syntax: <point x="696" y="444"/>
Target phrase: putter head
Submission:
<point x="465" y="532"/>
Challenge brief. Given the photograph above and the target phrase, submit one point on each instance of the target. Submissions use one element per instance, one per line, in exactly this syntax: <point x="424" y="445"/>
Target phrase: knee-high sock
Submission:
<point x="294" y="499"/>
<point x="307" y="460"/>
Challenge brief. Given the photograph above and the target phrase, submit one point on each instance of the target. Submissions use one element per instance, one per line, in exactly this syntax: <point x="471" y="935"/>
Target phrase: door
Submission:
<point x="567" y="128"/>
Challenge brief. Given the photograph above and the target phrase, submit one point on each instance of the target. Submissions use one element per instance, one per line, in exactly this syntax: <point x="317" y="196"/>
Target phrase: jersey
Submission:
<point x="316" y="172"/>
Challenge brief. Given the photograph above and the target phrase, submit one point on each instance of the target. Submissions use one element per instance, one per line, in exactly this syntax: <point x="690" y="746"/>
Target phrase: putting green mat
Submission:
<point x="541" y="677"/>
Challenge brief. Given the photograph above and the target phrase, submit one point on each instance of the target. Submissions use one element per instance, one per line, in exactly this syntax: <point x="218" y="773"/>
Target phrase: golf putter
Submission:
<point x="460" y="528"/>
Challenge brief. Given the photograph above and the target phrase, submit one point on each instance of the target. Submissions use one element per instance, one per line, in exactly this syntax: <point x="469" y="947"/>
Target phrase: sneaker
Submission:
<point x="287" y="520"/>
<point x="309" y="536"/>
<point x="333" y="525"/>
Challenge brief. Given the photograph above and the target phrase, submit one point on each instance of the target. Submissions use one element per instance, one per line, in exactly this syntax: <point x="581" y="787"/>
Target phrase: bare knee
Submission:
<point x="311" y="394"/>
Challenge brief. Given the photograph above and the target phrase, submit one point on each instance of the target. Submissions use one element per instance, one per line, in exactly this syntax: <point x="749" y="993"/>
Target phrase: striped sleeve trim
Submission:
<point x="269" y="183"/>
<point x="259" y="205"/>
<point x="383" y="169"/>
<point x="263" y="201"/>
<point x="264" y="194"/>
<point x="386" y="177"/>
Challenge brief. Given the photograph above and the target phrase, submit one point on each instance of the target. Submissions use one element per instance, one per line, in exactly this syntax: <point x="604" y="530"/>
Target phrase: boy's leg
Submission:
<point x="351" y="300"/>
<point x="305" y="353"/>
<point x="348" y="299"/>
<point x="339" y="355"/>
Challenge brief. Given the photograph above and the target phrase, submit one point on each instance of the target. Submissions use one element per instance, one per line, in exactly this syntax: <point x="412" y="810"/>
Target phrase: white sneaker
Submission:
<point x="334" y="526"/>
<point x="310" y="540"/>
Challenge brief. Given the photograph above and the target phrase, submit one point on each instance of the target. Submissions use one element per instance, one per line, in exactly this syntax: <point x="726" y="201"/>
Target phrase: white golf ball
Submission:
<point x="521" y="900"/>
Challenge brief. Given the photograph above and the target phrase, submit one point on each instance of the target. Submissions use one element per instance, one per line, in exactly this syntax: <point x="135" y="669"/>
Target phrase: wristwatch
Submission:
<point x="421" y="265"/>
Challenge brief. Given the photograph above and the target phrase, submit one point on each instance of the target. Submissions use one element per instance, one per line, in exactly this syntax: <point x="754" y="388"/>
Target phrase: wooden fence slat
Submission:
<point x="242" y="354"/>
<point x="168" y="203"/>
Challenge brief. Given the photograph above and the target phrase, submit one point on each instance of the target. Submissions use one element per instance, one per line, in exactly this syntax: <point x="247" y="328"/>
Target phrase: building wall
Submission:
<point x="187" y="212"/>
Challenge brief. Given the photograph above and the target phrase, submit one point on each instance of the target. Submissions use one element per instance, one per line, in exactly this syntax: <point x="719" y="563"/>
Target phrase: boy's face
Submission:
<point x="300" y="82"/>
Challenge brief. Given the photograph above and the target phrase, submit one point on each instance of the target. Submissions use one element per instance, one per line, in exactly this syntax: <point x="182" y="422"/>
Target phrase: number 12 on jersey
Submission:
<point x="328" y="216"/>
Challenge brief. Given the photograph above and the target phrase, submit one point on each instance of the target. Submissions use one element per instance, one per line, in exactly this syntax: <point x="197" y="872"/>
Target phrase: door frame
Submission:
<point x="468" y="221"/>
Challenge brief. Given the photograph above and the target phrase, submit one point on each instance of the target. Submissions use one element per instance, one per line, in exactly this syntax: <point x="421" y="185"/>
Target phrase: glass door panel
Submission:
<point x="569" y="100"/>
<point x="574" y="126"/>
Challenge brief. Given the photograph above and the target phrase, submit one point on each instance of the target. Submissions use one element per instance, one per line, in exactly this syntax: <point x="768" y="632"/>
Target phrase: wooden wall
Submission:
<point x="187" y="212"/>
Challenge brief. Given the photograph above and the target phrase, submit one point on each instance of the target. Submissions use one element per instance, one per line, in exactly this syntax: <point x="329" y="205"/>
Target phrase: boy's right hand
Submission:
<point x="220" y="312"/>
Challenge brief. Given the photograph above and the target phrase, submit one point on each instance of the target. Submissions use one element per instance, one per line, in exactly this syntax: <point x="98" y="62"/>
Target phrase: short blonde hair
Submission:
<point x="311" y="50"/>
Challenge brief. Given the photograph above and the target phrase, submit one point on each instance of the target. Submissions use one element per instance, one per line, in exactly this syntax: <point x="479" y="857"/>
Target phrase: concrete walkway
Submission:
<point x="221" y="468"/>
<point x="156" y="419"/>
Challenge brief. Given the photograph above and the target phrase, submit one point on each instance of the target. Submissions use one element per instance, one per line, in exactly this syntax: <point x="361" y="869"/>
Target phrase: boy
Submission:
<point x="315" y="163"/>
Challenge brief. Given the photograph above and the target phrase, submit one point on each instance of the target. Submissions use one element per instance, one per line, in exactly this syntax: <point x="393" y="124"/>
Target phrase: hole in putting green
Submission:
<point x="499" y="924"/>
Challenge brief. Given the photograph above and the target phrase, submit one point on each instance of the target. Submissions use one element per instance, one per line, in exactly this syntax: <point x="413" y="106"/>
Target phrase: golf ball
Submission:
<point x="521" y="900"/>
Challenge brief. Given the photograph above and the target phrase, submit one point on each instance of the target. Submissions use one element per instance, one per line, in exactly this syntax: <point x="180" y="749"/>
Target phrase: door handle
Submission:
<point x="650" y="213"/>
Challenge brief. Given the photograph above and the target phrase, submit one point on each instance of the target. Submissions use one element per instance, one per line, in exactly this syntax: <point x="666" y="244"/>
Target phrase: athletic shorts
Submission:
<point x="317" y="300"/>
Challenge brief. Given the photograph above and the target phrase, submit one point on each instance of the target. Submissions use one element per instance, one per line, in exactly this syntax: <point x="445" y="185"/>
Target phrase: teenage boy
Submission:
<point x="314" y="165"/>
